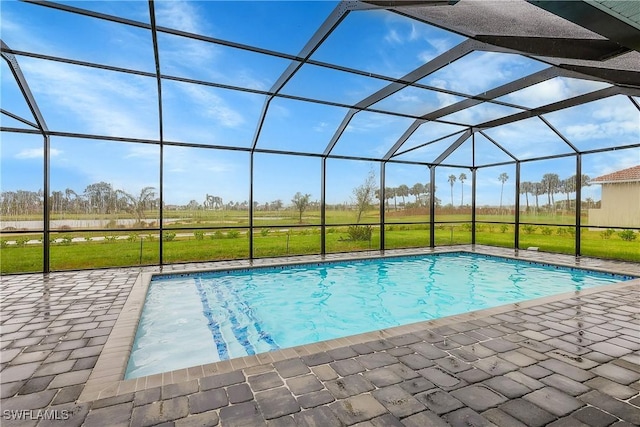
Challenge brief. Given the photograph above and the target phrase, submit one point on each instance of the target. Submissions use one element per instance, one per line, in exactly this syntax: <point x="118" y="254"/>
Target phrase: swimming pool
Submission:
<point x="195" y="319"/>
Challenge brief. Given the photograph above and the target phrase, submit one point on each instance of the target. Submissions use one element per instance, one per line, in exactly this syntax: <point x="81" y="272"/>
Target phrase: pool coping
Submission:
<point x="107" y="377"/>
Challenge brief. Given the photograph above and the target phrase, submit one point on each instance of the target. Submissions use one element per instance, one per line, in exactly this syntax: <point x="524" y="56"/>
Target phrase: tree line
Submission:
<point x="99" y="197"/>
<point x="551" y="184"/>
<point x="103" y="198"/>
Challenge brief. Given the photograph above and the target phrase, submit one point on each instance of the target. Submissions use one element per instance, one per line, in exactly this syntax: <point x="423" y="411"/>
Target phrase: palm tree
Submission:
<point x="394" y="192"/>
<point x="551" y="183"/>
<point x="526" y="188"/>
<point x="427" y="193"/>
<point x="462" y="178"/>
<point x="389" y="193"/>
<point x="568" y="186"/>
<point x="538" y="190"/>
<point x="452" y="180"/>
<point x="502" y="178"/>
<point x="402" y="191"/>
<point x="416" y="191"/>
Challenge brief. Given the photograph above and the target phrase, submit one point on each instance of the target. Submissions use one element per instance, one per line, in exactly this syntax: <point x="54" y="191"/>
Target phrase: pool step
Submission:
<point x="232" y="336"/>
<point x="221" y="345"/>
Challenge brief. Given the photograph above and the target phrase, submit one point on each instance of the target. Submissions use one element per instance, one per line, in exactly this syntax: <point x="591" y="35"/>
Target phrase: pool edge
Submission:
<point x="107" y="377"/>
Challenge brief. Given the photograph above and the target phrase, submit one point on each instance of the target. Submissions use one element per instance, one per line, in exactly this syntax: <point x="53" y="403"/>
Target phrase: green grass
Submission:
<point x="279" y="240"/>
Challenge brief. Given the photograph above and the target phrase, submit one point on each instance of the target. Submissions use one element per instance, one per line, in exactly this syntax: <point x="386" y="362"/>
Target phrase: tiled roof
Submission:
<point x="625" y="175"/>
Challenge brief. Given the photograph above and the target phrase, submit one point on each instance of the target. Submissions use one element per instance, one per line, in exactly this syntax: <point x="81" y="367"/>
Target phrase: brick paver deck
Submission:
<point x="572" y="360"/>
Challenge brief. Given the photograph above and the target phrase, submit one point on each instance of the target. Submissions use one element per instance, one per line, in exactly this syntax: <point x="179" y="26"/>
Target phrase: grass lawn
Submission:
<point x="83" y="250"/>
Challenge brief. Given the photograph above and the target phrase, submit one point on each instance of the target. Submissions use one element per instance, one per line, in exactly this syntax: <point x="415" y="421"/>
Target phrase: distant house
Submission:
<point x="620" y="203"/>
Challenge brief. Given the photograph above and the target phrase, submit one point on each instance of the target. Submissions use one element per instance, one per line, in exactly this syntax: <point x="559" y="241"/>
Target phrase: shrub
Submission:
<point x="198" y="234"/>
<point x="111" y="238"/>
<point x="216" y="235"/>
<point x="529" y="229"/>
<point x="480" y="228"/>
<point x="504" y="228"/>
<point x="561" y="231"/>
<point x="168" y="236"/>
<point x="390" y="228"/>
<point x="331" y="230"/>
<point x="20" y="242"/>
<point x="627" y="235"/>
<point x="233" y="234"/>
<point x="466" y="227"/>
<point x="133" y="237"/>
<point x="360" y="232"/>
<point x="3" y="243"/>
<point x="66" y="240"/>
<point x="546" y="231"/>
<point x="264" y="232"/>
<point x="606" y="234"/>
<point x="571" y="231"/>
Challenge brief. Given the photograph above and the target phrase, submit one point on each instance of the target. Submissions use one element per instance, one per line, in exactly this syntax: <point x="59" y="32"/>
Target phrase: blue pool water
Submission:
<point x="202" y="318"/>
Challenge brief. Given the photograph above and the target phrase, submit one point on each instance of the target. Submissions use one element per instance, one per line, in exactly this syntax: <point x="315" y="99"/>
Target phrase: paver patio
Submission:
<point x="569" y="360"/>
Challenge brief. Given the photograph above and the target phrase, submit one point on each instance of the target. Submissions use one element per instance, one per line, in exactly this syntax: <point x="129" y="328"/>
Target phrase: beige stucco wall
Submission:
<point x="620" y="206"/>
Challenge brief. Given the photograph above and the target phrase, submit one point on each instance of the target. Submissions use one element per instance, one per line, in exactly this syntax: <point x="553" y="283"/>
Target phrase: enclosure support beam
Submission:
<point x="546" y="109"/>
<point x="473" y="188"/>
<point x="18" y="118"/>
<point x="250" y="231"/>
<point x="406" y="135"/>
<point x="557" y="132"/>
<point x="453" y="147"/>
<point x="432" y="206"/>
<point x="46" y="267"/>
<point x="382" y="203"/>
<point x="494" y="142"/>
<point x="578" y="249"/>
<point x="338" y="133"/>
<point x="516" y="234"/>
<point x="156" y="55"/>
<point x="473" y="205"/>
<point x="327" y="27"/>
<point x="514" y="86"/>
<point x="323" y="207"/>
<point x="12" y="62"/>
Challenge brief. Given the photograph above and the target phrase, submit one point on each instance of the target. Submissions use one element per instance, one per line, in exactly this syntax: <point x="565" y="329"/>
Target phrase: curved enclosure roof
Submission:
<point x="416" y="82"/>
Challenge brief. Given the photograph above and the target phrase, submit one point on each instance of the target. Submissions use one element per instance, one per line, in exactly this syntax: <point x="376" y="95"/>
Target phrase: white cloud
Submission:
<point x="79" y="99"/>
<point x="213" y="106"/>
<point x="321" y="127"/>
<point x="36" y="153"/>
<point x="178" y="14"/>
<point x="146" y="152"/>
<point x="551" y="91"/>
<point x="610" y="118"/>
<point x="479" y="71"/>
<point x="392" y="37"/>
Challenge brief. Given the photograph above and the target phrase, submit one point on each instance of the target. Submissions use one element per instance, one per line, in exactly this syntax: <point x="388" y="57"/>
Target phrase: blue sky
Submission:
<point x="86" y="100"/>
